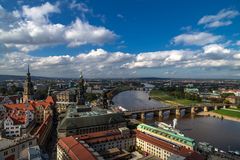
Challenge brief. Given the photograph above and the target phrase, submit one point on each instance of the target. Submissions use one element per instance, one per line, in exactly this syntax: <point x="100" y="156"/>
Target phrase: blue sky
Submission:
<point x="137" y="38"/>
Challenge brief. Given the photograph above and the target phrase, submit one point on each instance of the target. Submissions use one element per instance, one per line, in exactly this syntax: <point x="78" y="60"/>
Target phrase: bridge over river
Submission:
<point x="138" y="103"/>
<point x="177" y="110"/>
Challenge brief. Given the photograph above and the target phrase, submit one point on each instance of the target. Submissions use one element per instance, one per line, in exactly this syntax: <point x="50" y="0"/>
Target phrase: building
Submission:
<point x="44" y="131"/>
<point x="71" y="96"/>
<point x="109" y="144"/>
<point x="43" y="109"/>
<point x="191" y="90"/>
<point x="235" y="100"/>
<point x="79" y="121"/>
<point x="121" y="138"/>
<point x="166" y="135"/>
<point x="236" y="92"/>
<point x="10" y="149"/>
<point x="81" y="91"/>
<point x="162" y="149"/>
<point x="64" y="99"/>
<point x="3" y="112"/>
<point x="10" y="99"/>
<point x="17" y="122"/>
<point x="28" y="88"/>
<point x="70" y="148"/>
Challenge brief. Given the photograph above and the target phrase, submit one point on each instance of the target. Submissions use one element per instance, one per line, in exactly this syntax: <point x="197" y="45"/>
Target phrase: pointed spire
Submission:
<point x="49" y="91"/>
<point x="81" y="75"/>
<point x="28" y="69"/>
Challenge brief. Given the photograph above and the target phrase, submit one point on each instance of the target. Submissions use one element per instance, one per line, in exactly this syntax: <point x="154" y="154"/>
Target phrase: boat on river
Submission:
<point x="170" y="128"/>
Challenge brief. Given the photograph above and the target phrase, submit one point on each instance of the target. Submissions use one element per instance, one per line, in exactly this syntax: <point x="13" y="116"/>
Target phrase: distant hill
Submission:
<point x="14" y="77"/>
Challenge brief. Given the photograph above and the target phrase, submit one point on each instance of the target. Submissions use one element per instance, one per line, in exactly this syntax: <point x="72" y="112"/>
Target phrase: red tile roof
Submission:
<point x="178" y="150"/>
<point x="20" y="106"/>
<point x="75" y="150"/>
<point x="18" y="119"/>
<point x="31" y="105"/>
<point x="50" y="100"/>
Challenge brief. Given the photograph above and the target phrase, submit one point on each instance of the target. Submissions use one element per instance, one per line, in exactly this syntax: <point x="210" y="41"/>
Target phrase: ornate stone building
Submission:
<point x="81" y="91"/>
<point x="72" y="96"/>
<point x="28" y="88"/>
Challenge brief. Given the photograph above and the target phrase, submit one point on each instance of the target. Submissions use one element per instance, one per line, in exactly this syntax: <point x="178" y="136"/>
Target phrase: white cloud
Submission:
<point x="32" y="29"/>
<point x="215" y="49"/>
<point x="222" y="18"/>
<point x="236" y="56"/>
<point x="96" y="63"/>
<point x="196" y="38"/>
<point x="101" y="63"/>
<point x="79" y="6"/>
<point x="160" y="58"/>
<point x="39" y="13"/>
<point x="80" y="33"/>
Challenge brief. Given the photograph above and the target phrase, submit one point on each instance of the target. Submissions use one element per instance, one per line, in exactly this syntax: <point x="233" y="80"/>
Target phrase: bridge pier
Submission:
<point x="138" y="115"/>
<point x="158" y="114"/>
<point x="143" y="115"/>
<point x="193" y="110"/>
<point x="178" y="113"/>
<point x="205" y="109"/>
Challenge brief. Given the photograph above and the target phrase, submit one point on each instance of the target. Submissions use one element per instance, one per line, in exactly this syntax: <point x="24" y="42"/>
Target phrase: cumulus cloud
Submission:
<point x="80" y="33"/>
<point x="215" y="49"/>
<point x="101" y="63"/>
<point x="222" y="18"/>
<point x="196" y="38"/>
<point x="95" y="63"/>
<point x="39" y="13"/>
<point x="236" y="56"/>
<point x="33" y="28"/>
<point x="160" y="58"/>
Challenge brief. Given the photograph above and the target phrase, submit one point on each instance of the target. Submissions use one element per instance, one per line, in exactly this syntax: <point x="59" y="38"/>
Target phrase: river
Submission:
<point x="219" y="133"/>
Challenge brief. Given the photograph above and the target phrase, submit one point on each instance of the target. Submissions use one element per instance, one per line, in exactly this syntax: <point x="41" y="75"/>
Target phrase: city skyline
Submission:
<point x="107" y="39"/>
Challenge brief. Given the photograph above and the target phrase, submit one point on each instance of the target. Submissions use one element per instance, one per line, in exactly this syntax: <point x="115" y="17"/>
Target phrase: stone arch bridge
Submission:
<point x="158" y="111"/>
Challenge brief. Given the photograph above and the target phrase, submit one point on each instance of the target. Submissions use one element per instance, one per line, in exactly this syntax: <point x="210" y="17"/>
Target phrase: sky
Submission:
<point x="121" y="38"/>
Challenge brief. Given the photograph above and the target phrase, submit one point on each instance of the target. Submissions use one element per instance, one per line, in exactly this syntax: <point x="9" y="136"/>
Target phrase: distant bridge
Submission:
<point x="158" y="111"/>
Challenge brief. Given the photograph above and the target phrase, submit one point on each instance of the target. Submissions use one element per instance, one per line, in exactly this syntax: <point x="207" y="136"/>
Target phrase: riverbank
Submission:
<point x="167" y="99"/>
<point x="217" y="115"/>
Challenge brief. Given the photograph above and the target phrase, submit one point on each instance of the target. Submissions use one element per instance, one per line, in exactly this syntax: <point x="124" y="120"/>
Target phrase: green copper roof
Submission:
<point x="168" y="134"/>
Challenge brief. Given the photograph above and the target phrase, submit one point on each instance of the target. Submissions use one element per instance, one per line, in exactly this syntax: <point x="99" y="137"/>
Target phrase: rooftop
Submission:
<point x="103" y="136"/>
<point x="75" y="119"/>
<point x="76" y="150"/>
<point x="7" y="143"/>
<point x="167" y="134"/>
<point x="178" y="150"/>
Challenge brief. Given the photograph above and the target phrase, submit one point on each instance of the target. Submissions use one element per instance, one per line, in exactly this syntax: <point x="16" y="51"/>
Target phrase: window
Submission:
<point x="13" y="150"/>
<point x="5" y="153"/>
<point x="30" y="143"/>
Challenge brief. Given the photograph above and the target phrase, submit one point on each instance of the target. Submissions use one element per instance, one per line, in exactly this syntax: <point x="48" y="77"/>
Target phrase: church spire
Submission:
<point x="28" y="69"/>
<point x="81" y="91"/>
<point x="28" y="87"/>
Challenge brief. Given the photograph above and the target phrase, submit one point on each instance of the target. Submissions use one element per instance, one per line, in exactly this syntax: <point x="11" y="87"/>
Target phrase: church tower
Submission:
<point x="28" y="88"/>
<point x="81" y="91"/>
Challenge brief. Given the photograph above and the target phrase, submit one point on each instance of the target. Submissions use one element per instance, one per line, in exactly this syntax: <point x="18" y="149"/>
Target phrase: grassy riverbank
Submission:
<point x="166" y="98"/>
<point x="218" y="115"/>
<point x="226" y="112"/>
